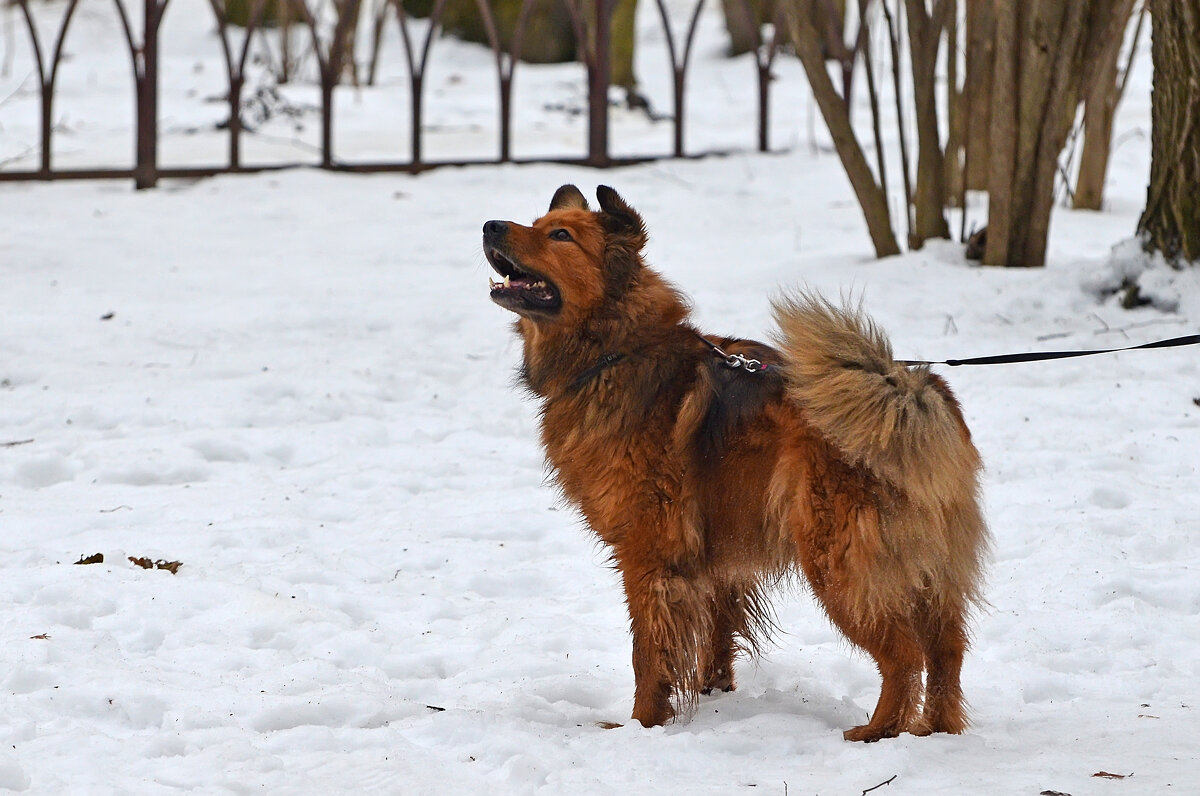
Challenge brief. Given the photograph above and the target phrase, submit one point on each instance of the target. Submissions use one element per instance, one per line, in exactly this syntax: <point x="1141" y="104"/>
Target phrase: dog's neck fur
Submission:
<point x="647" y="316"/>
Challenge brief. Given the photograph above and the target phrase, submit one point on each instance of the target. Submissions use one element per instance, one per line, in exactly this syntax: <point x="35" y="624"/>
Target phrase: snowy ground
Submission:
<point x="295" y="385"/>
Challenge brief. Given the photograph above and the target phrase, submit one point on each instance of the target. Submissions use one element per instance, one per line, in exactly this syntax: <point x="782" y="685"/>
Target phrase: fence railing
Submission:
<point x="329" y="43"/>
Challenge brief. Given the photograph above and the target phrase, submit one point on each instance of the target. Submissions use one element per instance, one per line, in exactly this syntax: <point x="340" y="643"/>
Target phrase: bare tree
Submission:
<point x="872" y="197"/>
<point x="1039" y="74"/>
<point x="977" y="91"/>
<point x="925" y="29"/>
<point x="1099" y="111"/>
<point x="1170" y="224"/>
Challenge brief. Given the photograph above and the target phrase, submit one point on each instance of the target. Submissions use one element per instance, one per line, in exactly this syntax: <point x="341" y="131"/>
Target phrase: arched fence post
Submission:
<point x="592" y="21"/>
<point x="47" y="76"/>
<point x="235" y="70"/>
<point x="764" y="59"/>
<point x="679" y="64"/>
<point x="329" y="63"/>
<point x="144" y="60"/>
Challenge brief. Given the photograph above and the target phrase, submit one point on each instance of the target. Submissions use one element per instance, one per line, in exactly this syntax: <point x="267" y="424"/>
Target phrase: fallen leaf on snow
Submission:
<point x="169" y="566"/>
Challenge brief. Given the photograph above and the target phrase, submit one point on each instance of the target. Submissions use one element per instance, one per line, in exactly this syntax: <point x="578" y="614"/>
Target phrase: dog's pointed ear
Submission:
<point x="625" y="237"/>
<point x="619" y="217"/>
<point x="623" y="217"/>
<point x="568" y="196"/>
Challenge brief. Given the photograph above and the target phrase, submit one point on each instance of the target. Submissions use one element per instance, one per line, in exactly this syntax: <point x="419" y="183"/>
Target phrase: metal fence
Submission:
<point x="328" y="41"/>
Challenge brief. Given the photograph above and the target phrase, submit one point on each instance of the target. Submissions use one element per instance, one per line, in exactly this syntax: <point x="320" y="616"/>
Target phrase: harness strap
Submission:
<point x="602" y="364"/>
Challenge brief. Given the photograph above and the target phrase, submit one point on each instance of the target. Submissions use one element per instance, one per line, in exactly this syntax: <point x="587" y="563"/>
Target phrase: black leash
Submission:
<point x="736" y="361"/>
<point x="1039" y="356"/>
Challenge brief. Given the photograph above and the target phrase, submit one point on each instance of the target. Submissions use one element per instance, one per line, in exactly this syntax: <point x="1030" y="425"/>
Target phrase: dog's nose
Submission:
<point x="495" y="229"/>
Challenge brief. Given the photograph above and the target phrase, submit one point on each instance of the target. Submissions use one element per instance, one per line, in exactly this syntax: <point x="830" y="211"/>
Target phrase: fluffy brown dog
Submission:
<point x="710" y="480"/>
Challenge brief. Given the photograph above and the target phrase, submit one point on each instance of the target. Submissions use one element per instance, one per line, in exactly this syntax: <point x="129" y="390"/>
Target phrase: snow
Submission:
<point x="295" y="385"/>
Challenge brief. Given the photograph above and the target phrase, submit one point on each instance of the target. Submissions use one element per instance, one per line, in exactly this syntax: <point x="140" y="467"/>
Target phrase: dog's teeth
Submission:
<point x="539" y="284"/>
<point x="507" y="282"/>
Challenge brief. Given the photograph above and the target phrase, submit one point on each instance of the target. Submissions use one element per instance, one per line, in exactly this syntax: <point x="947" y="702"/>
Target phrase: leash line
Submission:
<point x="1040" y="356"/>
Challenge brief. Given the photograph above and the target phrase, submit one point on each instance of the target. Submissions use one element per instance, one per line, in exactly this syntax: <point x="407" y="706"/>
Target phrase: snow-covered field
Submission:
<point x="295" y="385"/>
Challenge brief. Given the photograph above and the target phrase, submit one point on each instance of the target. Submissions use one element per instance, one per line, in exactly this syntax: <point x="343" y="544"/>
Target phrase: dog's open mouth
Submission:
<point x="520" y="289"/>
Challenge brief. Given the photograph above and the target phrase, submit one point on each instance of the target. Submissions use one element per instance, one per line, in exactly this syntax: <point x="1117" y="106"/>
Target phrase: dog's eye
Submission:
<point x="560" y="234"/>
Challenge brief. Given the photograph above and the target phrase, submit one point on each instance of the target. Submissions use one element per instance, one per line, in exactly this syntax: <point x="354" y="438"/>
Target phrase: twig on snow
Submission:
<point x="880" y="785"/>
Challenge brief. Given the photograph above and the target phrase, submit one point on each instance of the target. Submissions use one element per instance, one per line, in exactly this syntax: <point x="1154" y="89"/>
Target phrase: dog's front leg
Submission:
<point x="669" y="616"/>
<point x="716" y="659"/>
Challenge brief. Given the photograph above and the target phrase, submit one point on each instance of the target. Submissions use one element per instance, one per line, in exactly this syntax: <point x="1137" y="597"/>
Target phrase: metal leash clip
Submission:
<point x="739" y="361"/>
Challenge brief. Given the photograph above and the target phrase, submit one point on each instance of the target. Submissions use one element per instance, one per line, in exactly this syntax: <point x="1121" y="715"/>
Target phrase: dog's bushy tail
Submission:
<point x="902" y="423"/>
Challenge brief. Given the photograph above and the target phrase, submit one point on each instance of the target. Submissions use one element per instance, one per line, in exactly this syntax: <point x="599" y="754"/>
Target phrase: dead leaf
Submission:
<point x="97" y="558"/>
<point x="1108" y="775"/>
<point x="41" y="636"/>
<point x="608" y="725"/>
<point x="169" y="566"/>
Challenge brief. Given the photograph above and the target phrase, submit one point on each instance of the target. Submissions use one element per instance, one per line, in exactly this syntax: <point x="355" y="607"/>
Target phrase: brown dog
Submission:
<point x="712" y="468"/>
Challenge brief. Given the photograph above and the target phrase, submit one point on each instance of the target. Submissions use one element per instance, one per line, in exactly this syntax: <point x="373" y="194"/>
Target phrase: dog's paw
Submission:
<point x="720" y="680"/>
<point x="725" y="686"/>
<point x="868" y="734"/>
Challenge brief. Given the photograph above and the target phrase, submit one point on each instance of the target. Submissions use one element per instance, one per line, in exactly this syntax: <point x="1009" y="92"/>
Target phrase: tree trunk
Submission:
<point x="1099" y="108"/>
<point x="741" y="22"/>
<point x="623" y="39"/>
<point x="977" y="91"/>
<point x="1039" y="75"/>
<point x="548" y="37"/>
<point x="954" y="113"/>
<point x="871" y="197"/>
<point x="743" y="17"/>
<point x="1170" y="223"/>
<point x="925" y="36"/>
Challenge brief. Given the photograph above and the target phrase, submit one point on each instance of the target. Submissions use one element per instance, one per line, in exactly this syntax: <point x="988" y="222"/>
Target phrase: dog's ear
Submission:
<point x="568" y="196"/>
<point x="619" y="217"/>
<point x="625" y="236"/>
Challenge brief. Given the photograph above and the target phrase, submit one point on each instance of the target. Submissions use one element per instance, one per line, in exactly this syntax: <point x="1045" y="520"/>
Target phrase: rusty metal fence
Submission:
<point x="328" y="26"/>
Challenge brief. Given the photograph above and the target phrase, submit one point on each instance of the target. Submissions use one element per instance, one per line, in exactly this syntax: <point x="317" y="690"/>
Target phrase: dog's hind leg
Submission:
<point x="891" y="640"/>
<point x="716" y="660"/>
<point x="943" y="638"/>
<point x="900" y="661"/>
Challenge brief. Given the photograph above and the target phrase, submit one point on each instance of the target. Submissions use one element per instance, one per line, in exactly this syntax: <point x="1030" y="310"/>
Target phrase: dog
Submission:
<point x="713" y="468"/>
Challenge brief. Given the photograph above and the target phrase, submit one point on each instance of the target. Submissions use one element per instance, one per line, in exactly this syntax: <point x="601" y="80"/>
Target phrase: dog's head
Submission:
<point x="570" y="262"/>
